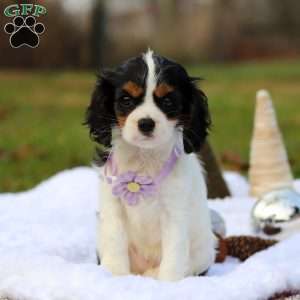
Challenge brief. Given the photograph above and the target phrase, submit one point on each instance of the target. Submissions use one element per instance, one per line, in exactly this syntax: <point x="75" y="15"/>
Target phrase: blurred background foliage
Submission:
<point x="238" y="46"/>
<point x="82" y="34"/>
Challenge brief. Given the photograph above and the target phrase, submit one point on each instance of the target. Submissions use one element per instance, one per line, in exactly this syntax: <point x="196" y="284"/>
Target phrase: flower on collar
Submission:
<point x="130" y="187"/>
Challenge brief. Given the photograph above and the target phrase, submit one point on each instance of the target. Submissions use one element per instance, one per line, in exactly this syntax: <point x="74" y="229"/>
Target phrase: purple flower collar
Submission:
<point x="130" y="187"/>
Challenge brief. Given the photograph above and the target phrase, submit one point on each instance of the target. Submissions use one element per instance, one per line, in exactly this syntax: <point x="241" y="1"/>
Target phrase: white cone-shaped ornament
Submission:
<point x="270" y="176"/>
<point x="269" y="166"/>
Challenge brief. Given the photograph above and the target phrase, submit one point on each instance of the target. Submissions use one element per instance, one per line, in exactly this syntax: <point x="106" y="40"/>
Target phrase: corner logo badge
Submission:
<point x="24" y="30"/>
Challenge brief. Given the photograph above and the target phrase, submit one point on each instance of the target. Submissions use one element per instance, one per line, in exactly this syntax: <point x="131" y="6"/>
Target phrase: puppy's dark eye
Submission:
<point x="167" y="102"/>
<point x="126" y="101"/>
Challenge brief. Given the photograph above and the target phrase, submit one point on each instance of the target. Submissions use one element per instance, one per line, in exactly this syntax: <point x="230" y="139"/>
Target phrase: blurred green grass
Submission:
<point x="41" y="115"/>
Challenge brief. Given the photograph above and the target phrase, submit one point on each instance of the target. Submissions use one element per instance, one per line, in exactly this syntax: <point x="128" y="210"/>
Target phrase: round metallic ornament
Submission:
<point x="277" y="213"/>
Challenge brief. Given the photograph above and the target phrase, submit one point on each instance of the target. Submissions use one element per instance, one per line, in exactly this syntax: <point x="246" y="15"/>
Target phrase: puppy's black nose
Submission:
<point x="146" y="125"/>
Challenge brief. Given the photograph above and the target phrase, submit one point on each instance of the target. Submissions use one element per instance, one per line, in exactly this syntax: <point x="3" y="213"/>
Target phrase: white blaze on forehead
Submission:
<point x="164" y="129"/>
<point x="151" y="77"/>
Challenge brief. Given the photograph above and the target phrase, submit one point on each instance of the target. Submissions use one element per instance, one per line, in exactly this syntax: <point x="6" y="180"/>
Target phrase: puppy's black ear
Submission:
<point x="100" y="116"/>
<point x="196" y="120"/>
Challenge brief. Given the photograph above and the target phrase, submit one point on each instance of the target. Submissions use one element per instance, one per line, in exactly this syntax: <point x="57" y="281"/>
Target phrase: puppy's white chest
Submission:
<point x="143" y="220"/>
<point x="144" y="235"/>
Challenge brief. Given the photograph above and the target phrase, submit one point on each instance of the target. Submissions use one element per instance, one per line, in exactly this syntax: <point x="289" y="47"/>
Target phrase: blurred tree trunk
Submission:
<point x="167" y="39"/>
<point x="98" y="31"/>
<point x="168" y="11"/>
<point x="216" y="185"/>
<point x="226" y="29"/>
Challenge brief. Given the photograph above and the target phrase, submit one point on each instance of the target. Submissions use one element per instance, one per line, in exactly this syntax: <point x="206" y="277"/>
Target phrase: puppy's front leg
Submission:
<point x="112" y="240"/>
<point x="175" y="247"/>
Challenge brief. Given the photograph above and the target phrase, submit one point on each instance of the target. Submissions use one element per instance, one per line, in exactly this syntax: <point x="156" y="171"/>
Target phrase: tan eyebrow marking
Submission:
<point x="163" y="89"/>
<point x="133" y="89"/>
<point x="121" y="121"/>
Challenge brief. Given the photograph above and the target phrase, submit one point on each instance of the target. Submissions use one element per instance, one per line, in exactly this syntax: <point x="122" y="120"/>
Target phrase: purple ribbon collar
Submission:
<point x="130" y="187"/>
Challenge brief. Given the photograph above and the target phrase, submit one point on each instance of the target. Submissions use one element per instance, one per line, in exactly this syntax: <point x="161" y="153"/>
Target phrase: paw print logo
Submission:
<point x="24" y="32"/>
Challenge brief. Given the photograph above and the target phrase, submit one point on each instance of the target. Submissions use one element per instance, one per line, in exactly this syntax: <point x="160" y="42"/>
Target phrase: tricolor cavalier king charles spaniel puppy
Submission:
<point x="154" y="219"/>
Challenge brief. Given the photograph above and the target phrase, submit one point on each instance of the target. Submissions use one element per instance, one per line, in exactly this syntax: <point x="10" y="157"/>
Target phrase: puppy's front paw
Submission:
<point x="167" y="275"/>
<point x="116" y="268"/>
<point x="153" y="272"/>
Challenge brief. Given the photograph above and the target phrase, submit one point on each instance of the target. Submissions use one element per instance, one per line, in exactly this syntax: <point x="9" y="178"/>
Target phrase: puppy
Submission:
<point x="154" y="219"/>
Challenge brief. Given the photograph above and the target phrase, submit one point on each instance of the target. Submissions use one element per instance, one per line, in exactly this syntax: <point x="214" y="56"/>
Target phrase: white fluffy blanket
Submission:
<point x="47" y="250"/>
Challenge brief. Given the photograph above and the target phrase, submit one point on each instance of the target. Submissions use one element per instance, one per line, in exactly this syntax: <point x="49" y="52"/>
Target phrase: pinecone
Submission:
<point x="243" y="247"/>
<point x="221" y="249"/>
<point x="288" y="294"/>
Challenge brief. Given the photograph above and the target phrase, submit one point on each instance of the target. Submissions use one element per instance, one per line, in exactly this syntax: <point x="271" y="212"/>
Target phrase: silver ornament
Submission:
<point x="218" y="223"/>
<point x="275" y="209"/>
